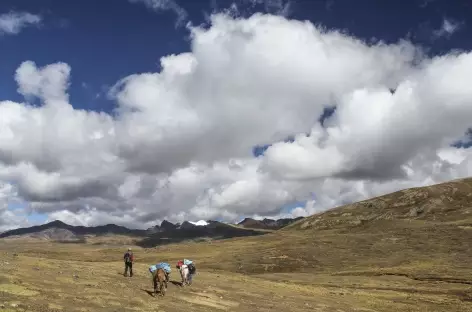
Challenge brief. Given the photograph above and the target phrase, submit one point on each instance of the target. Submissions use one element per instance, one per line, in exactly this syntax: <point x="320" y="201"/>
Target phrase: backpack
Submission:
<point x="191" y="268"/>
<point x="128" y="257"/>
<point x="187" y="262"/>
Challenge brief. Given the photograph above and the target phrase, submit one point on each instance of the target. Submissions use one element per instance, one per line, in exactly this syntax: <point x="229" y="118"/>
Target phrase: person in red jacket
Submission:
<point x="129" y="259"/>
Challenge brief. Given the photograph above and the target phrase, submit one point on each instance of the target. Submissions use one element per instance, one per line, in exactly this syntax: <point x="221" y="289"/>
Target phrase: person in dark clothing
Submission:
<point x="129" y="259"/>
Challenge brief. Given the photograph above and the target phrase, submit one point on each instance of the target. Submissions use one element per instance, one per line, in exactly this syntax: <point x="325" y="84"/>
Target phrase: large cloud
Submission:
<point x="180" y="146"/>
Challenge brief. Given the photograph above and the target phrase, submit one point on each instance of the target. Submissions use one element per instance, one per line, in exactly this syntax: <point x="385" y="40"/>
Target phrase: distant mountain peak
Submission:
<point x="166" y="225"/>
<point x="56" y="223"/>
<point x="187" y="225"/>
<point x="245" y="220"/>
<point x="200" y="223"/>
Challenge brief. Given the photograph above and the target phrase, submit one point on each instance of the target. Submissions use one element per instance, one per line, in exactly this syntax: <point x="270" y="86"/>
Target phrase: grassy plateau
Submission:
<point x="406" y="251"/>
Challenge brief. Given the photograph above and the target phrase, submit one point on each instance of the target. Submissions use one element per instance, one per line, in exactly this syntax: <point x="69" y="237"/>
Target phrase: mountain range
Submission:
<point x="447" y="202"/>
<point x="166" y="232"/>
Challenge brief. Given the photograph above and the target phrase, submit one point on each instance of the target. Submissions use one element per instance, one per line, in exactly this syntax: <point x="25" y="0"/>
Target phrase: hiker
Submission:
<point x="161" y="265"/>
<point x="191" y="270"/>
<point x="129" y="259"/>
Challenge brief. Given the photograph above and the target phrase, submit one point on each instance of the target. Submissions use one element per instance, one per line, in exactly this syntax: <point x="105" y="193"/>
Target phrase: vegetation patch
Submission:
<point x="17" y="290"/>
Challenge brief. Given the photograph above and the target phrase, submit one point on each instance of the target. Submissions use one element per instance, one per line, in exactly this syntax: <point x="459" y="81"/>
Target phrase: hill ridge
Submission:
<point x="441" y="202"/>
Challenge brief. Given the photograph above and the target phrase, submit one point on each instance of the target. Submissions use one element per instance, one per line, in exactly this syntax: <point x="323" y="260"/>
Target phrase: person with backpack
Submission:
<point x="192" y="270"/>
<point x="129" y="259"/>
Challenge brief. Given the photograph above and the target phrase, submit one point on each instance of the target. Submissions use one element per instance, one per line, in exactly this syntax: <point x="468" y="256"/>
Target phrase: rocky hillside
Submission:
<point x="55" y="234"/>
<point x="268" y="224"/>
<point x="414" y="234"/>
<point x="449" y="202"/>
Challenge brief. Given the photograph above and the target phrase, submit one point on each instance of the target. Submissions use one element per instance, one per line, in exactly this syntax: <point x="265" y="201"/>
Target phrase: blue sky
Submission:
<point x="104" y="41"/>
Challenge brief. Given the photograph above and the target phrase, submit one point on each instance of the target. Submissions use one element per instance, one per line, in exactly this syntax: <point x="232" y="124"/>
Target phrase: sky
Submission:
<point x="135" y="111"/>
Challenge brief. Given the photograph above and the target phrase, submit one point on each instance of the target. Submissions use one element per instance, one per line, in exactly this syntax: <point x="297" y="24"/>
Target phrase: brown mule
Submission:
<point x="159" y="279"/>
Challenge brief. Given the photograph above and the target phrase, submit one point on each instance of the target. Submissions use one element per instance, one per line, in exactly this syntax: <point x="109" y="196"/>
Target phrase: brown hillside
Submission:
<point x="449" y="202"/>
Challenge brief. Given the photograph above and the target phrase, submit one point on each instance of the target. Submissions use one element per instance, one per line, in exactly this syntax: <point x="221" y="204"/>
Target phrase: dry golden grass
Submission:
<point x="377" y="255"/>
<point x="292" y="271"/>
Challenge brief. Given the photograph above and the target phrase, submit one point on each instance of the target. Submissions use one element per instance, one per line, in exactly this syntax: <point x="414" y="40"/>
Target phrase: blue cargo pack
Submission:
<point x="152" y="268"/>
<point x="164" y="265"/>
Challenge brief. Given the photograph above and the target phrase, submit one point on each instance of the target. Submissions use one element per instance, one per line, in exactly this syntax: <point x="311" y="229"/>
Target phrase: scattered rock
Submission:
<point x="415" y="211"/>
<point x="356" y="222"/>
<point x="14" y="305"/>
<point x="305" y="225"/>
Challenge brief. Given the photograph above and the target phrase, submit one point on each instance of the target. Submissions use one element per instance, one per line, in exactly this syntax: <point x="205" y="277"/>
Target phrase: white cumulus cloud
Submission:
<point x="180" y="145"/>
<point x="13" y="22"/>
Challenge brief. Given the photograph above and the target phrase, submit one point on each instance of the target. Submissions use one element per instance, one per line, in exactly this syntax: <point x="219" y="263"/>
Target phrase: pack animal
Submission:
<point x="184" y="274"/>
<point x="160" y="282"/>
